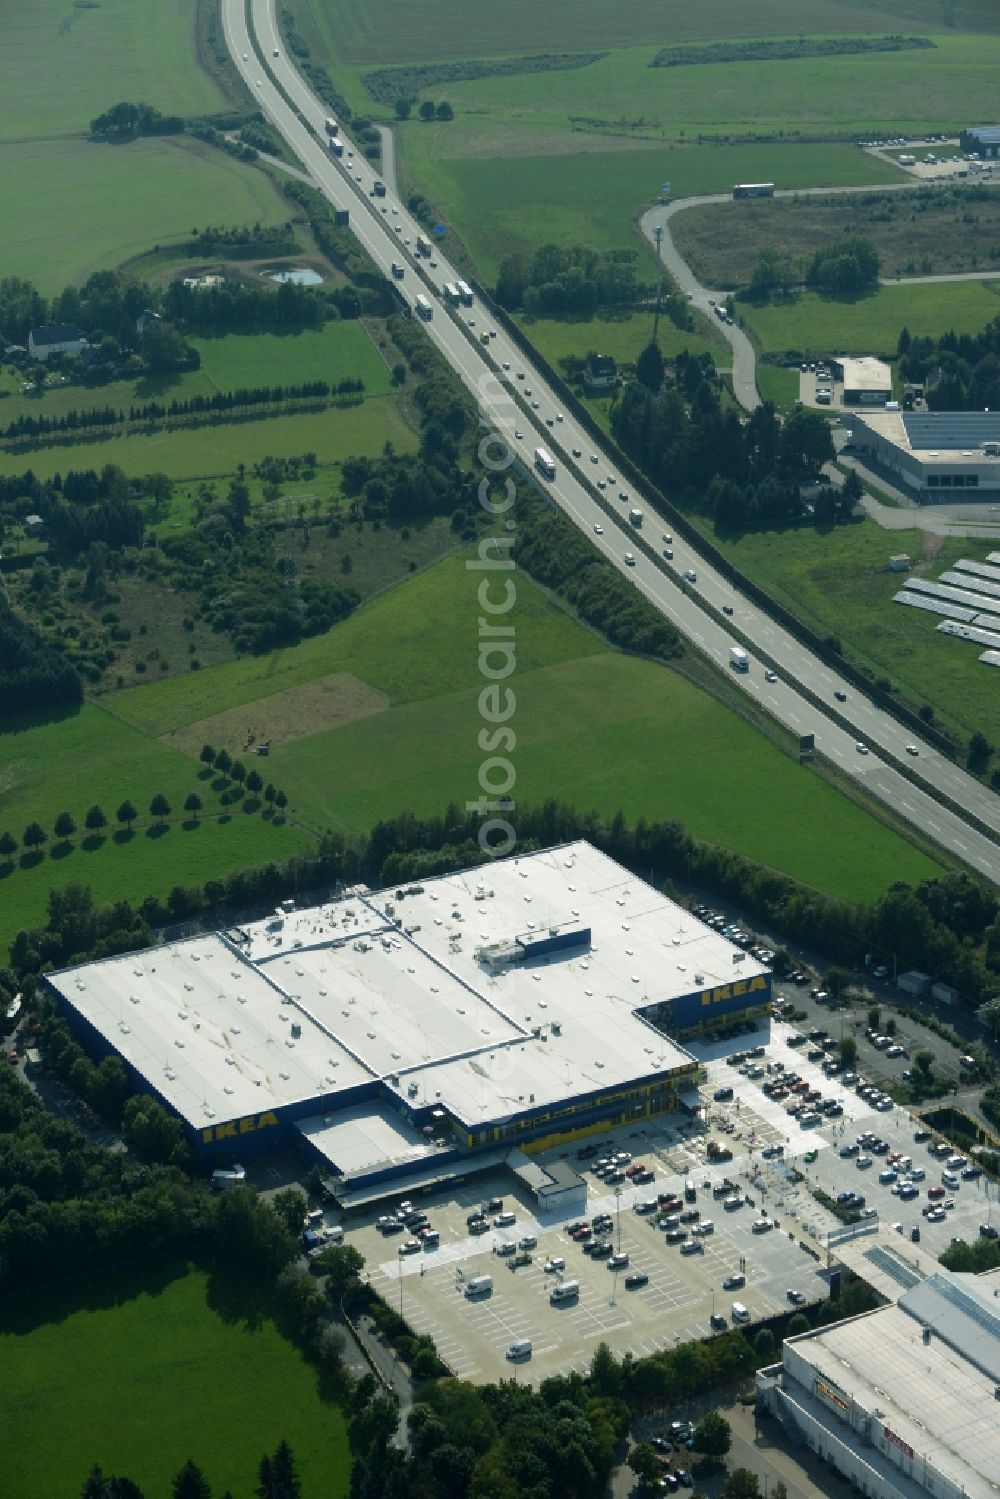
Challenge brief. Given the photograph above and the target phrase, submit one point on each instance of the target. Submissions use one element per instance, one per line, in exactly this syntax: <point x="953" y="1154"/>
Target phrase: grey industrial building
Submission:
<point x="982" y="139"/>
<point x="866" y="382"/>
<point x="902" y="1401"/>
<point x="936" y="455"/>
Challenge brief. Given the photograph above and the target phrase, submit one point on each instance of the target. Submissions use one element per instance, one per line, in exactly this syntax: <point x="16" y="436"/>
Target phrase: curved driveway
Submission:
<point x="384" y="227"/>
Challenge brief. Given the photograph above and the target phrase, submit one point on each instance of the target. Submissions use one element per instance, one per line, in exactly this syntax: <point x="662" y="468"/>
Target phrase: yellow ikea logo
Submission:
<point x="235" y="1127"/>
<point x="732" y="991"/>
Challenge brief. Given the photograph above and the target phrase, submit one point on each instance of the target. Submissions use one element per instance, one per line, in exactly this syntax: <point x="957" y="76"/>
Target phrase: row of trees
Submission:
<point x="222" y="401"/>
<point x="427" y="110"/>
<point x="95" y="821"/>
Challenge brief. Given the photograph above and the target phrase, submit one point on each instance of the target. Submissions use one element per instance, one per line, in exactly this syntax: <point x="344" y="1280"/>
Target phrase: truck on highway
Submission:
<point x="378" y="188"/>
<point x="424" y="308"/>
<point x="738" y="658"/>
<point x="330" y="125"/>
<point x="544" y="463"/>
<point x="397" y="271"/>
<point x="423" y="245"/>
<point x="336" y="147"/>
<point x="452" y="293"/>
<point x="635" y="517"/>
<point x="465" y="293"/>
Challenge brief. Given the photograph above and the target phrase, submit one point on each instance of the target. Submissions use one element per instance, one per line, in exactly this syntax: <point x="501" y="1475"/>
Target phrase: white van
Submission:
<point x="520" y="1349"/>
<point x="566" y="1290"/>
<point x="479" y="1285"/>
<point x="949" y="1179"/>
<point x="740" y="1312"/>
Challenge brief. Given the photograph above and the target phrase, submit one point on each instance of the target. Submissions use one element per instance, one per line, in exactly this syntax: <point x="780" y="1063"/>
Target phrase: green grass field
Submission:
<point x="74" y="206"/>
<point x="812" y="324"/>
<point x="840" y="584"/>
<point x="64" y="64"/>
<point x="778" y="385"/>
<point x="141" y="1371"/>
<point x="358" y="35"/>
<point x="93" y="756"/>
<point x="339" y="351"/>
<point x="593" y="727"/>
<point x="622" y="337"/>
<point x="212" y="451"/>
<point x="501" y="205"/>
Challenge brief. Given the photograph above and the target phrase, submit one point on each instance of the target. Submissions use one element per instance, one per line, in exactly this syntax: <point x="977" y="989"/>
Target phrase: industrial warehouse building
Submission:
<point x="937" y="456"/>
<point x="866" y="382"/>
<point x="902" y="1401"/>
<point x="982" y="139"/>
<point x="416" y="1034"/>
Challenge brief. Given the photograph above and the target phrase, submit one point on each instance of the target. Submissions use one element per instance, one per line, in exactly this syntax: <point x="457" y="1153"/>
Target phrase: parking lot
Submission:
<point x="683" y="1290"/>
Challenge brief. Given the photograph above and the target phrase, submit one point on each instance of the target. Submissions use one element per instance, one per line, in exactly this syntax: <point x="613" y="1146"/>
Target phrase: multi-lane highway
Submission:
<point x="526" y="413"/>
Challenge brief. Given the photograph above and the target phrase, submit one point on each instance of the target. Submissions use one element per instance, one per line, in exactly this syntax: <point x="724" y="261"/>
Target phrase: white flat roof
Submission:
<point x="365" y="1137"/>
<point x="371" y="986"/>
<point x="927" y="1394"/>
<point x="865" y="373"/>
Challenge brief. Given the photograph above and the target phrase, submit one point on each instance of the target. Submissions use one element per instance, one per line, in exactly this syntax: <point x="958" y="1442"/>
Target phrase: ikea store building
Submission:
<point x="419" y="1033"/>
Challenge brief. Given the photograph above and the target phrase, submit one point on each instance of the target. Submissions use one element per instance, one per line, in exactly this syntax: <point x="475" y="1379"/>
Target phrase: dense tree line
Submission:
<point x="219" y="403"/>
<point x="277" y="1478"/>
<point x="962" y="370"/>
<point x="568" y="279"/>
<point x="747" y="473"/>
<point x="241" y="305"/>
<point x="124" y="122"/>
<point x="32" y="673"/>
<point x="556" y="553"/>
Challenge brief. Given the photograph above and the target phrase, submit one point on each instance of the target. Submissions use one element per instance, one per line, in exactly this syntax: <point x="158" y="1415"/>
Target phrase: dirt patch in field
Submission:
<point x="325" y="703"/>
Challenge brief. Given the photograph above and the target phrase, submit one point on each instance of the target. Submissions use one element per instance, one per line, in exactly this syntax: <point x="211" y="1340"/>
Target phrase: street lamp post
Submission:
<point x="618" y="1213"/>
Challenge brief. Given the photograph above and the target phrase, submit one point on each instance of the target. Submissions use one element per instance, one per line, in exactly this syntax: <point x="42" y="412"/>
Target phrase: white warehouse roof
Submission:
<point x="312" y="1003"/>
<point x="865" y="374"/>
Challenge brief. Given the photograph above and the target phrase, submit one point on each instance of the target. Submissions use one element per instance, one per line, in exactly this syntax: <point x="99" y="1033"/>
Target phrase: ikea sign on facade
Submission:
<point x="233" y="1128"/>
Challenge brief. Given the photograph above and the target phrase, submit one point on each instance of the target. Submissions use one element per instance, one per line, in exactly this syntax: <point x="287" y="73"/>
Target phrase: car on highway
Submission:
<point x="594" y="458"/>
<point x="577" y="453"/>
<point x="727" y="608"/>
<point x="260" y="83"/>
<point x="862" y="749"/>
<point x="840" y="696"/>
<point x="629" y="560"/>
<point x="911" y="749"/>
<point x="690" y="576"/>
<point x="518" y="435"/>
<point x="598" y="530"/>
<point x="667" y="538"/>
<point x="770" y="676"/>
<point x="668" y="552"/>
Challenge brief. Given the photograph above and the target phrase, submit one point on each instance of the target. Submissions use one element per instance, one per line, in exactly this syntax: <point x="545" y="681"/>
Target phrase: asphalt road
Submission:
<point x="391" y="236"/>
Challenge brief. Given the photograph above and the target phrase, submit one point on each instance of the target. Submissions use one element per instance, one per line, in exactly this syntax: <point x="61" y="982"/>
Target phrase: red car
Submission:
<point x="634" y="1170"/>
<point x="583" y="1234"/>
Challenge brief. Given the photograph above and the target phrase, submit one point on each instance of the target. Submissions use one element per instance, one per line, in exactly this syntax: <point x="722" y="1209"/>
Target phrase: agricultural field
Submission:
<point x="215" y="451"/>
<point x="102" y="204"/>
<point x="70" y="763"/>
<point x="140" y="1372"/>
<point x="869" y="324"/>
<point x="839" y="583"/>
<point x="505" y="205"/>
<point x="359" y="36"/>
<point x="924" y="232"/>
<point x="591" y="724"/>
<point x="83" y="46"/>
